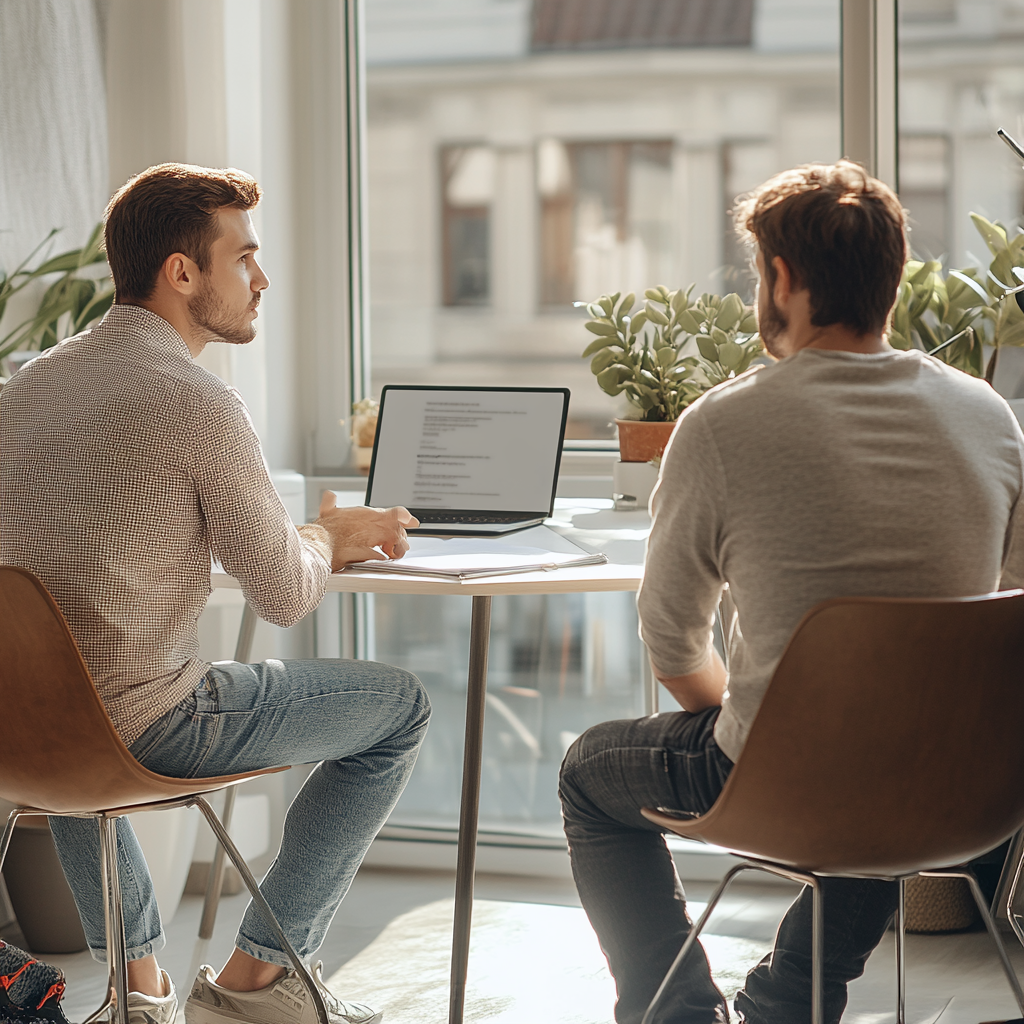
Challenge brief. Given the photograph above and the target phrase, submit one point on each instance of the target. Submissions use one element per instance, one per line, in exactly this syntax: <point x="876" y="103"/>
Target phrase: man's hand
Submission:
<point x="357" y="533"/>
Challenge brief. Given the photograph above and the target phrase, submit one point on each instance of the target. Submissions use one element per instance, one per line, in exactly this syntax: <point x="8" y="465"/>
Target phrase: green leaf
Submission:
<point x="626" y="305"/>
<point x="602" y="327"/>
<point x="610" y="380"/>
<point x="655" y="315"/>
<point x="688" y="322"/>
<point x="637" y="322"/>
<point x="730" y="313"/>
<point x="595" y="346"/>
<point x="96" y="309"/>
<point x="605" y="358"/>
<point x="993" y="234"/>
<point x="666" y="357"/>
<point x="679" y="300"/>
<point x="606" y="303"/>
<point x="730" y="355"/>
<point x="708" y="349"/>
<point x="749" y="323"/>
<point x="973" y="285"/>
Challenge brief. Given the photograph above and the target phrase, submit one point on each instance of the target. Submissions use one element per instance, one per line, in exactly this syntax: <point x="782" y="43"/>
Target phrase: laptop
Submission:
<point x="468" y="460"/>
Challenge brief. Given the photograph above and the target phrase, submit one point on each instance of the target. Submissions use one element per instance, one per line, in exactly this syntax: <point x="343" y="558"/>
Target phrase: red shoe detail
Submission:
<point x="55" y="990"/>
<point x="7" y="980"/>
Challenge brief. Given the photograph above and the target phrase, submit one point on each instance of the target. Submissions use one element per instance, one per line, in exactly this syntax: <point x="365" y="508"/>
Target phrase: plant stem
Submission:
<point x="990" y="370"/>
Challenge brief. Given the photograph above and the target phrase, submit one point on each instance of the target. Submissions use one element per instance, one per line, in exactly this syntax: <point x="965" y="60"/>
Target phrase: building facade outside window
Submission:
<point x="521" y="158"/>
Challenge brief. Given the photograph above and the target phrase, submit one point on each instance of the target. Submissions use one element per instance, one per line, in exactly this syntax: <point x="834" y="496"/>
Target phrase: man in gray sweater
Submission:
<point x="845" y="468"/>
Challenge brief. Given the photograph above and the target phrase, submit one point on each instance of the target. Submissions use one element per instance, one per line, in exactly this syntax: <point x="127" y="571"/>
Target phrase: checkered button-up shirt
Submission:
<point x="123" y="466"/>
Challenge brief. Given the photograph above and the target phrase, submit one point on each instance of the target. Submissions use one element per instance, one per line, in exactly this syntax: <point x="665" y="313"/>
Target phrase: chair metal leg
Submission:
<point x="268" y="915"/>
<point x="214" y="885"/>
<point x="1011" y="899"/>
<point x="990" y="925"/>
<point x="12" y="820"/>
<point x="692" y="937"/>
<point x="901" y="953"/>
<point x="817" y="933"/>
<point x="817" y="950"/>
<point x="117" y="965"/>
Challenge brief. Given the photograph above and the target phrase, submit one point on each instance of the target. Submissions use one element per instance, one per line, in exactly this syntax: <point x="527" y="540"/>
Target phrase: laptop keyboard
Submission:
<point x="457" y="517"/>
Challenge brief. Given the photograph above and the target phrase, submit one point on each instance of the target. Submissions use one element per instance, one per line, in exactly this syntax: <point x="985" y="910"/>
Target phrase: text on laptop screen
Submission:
<point x="479" y="450"/>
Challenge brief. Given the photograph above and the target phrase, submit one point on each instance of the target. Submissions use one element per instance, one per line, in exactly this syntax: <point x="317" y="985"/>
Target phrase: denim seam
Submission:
<point x="390" y="697"/>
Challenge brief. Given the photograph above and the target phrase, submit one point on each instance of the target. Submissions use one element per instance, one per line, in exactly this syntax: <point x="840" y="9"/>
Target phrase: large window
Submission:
<point x="522" y="157"/>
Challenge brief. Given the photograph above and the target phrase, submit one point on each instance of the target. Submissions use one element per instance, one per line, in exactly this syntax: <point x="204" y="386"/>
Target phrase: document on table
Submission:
<point x="466" y="558"/>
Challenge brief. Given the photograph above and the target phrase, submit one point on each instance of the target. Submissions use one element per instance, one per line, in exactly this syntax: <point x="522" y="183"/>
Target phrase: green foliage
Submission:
<point x="953" y="316"/>
<point x="69" y="305"/>
<point x="671" y="350"/>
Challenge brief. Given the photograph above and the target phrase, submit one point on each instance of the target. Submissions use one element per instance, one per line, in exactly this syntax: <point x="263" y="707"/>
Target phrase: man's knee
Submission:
<point x="596" y="739"/>
<point x="408" y="691"/>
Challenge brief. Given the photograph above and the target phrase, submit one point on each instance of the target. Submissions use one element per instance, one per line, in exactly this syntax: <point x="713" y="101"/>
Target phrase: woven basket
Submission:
<point x="939" y="905"/>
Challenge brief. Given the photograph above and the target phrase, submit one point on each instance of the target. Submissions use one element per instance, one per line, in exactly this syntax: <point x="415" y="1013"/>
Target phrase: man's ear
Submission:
<point x="181" y="273"/>
<point x="783" y="287"/>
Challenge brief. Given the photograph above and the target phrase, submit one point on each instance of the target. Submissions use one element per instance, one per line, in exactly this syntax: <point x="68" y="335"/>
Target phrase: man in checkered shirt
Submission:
<point x="123" y="466"/>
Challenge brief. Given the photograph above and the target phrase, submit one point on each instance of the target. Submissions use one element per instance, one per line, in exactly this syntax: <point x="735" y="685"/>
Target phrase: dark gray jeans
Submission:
<point x="630" y="890"/>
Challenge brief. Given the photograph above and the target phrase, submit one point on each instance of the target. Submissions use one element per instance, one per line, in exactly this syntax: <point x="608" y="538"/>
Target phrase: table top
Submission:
<point x="591" y="523"/>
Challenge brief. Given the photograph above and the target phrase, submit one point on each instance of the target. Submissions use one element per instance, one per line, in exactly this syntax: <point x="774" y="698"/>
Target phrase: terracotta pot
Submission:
<point x="640" y="441"/>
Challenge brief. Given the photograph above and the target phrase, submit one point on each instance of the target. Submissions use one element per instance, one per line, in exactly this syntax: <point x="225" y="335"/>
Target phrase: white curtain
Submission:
<point x="53" y="124"/>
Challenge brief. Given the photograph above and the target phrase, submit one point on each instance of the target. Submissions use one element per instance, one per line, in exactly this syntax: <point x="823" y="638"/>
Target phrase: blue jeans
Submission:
<point x="630" y="890"/>
<point x="364" y="723"/>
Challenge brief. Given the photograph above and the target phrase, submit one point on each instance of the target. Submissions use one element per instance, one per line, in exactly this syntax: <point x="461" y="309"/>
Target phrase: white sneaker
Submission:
<point x="285" y="1001"/>
<point x="143" y="1009"/>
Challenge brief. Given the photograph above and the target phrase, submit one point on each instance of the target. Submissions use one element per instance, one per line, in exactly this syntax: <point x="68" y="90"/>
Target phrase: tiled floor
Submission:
<point x="955" y="975"/>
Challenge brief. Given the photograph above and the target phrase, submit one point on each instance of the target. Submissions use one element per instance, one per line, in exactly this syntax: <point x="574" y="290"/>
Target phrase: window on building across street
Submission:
<point x="605" y="218"/>
<point x="467" y="182"/>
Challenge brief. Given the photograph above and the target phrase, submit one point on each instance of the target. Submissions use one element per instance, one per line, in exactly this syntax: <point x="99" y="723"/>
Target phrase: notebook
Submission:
<point x="469" y="558"/>
<point x="468" y="460"/>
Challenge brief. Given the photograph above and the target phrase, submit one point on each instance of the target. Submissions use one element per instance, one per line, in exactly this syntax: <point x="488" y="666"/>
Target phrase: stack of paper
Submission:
<point x="465" y="558"/>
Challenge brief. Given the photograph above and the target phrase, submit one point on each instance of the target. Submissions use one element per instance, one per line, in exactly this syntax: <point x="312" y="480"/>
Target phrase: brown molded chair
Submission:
<point x="61" y="755"/>
<point x="889" y="744"/>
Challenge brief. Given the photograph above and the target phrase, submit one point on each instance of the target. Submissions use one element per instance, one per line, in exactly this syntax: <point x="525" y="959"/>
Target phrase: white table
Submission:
<point x="593" y="525"/>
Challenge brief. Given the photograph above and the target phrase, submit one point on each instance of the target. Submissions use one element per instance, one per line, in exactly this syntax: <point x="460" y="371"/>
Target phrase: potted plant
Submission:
<point x="70" y="304"/>
<point x="666" y="355"/>
<point x="953" y="316"/>
<point x="364" y="430"/>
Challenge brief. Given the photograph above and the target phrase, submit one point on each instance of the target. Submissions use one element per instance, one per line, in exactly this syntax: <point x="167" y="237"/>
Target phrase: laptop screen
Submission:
<point x="468" y="449"/>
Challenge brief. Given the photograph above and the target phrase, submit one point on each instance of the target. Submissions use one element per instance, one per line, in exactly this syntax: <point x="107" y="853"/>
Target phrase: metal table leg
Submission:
<point x="470" y="813"/>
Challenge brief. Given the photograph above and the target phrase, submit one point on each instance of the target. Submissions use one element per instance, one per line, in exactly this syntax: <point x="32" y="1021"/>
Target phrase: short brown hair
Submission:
<point x="841" y="232"/>
<point x="166" y="209"/>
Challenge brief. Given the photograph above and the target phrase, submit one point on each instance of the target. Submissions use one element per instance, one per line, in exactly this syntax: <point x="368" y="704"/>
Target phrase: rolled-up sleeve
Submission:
<point x="283" y="574"/>
<point x="683" y="579"/>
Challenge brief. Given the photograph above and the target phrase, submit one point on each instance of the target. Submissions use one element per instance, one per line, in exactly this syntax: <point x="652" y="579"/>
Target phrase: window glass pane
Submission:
<point x="526" y="154"/>
<point x="522" y="156"/>
<point x="961" y="76"/>
<point x="558" y="664"/>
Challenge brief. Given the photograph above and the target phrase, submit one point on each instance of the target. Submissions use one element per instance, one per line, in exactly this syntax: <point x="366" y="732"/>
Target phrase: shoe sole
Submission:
<point x="202" y="1013"/>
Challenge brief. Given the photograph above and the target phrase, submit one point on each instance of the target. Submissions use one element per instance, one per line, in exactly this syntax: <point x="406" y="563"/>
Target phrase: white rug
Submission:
<point x="528" y="962"/>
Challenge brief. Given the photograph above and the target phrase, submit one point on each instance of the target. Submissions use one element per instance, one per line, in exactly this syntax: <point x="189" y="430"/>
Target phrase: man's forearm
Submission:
<point x="698" y="690"/>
